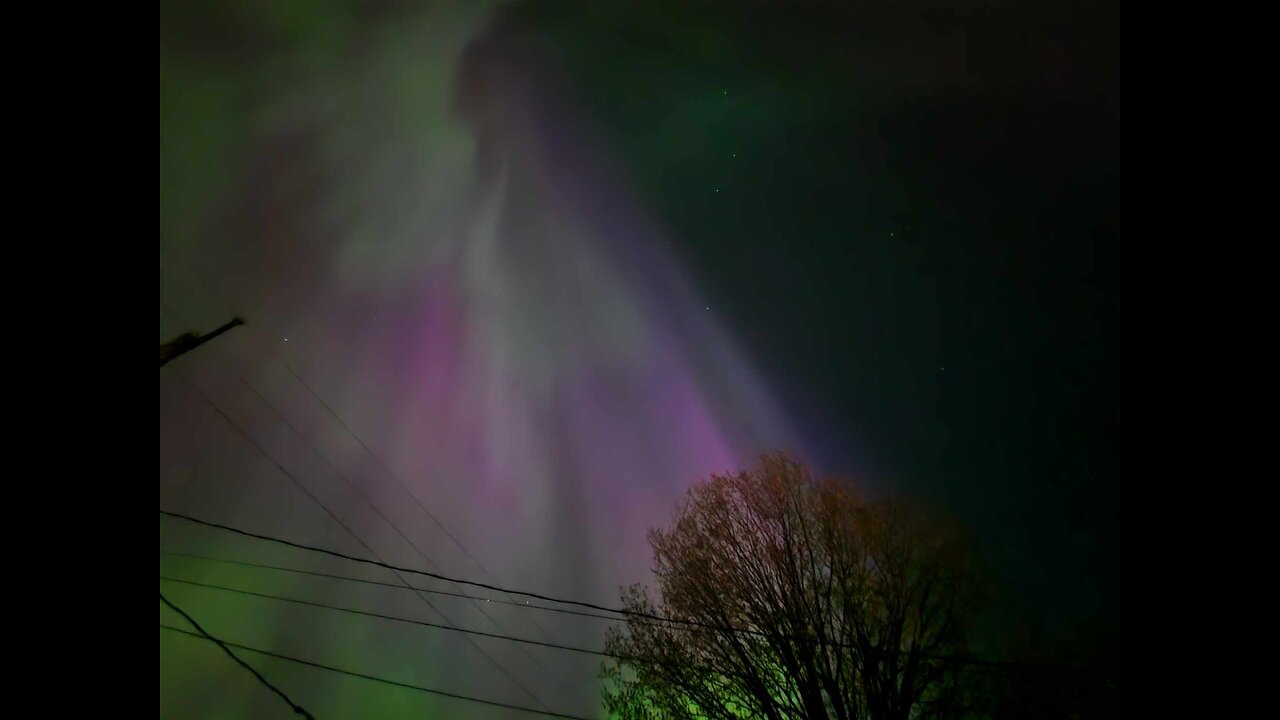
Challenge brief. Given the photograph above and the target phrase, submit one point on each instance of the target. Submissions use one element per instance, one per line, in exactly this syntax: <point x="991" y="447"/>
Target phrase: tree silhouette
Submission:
<point x="794" y="598"/>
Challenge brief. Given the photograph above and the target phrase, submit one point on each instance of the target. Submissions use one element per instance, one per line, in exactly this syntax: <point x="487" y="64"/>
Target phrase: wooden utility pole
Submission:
<point x="187" y="342"/>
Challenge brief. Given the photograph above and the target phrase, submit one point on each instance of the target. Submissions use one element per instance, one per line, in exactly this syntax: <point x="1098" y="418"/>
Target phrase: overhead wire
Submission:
<point x="213" y="290"/>
<point x="430" y="591"/>
<point x="396" y="618"/>
<point x="625" y="613"/>
<point x="356" y="488"/>
<point x="502" y="668"/>
<point x="298" y="709"/>
<point x="386" y="681"/>
<point x="628" y="614"/>
<point x="364" y="495"/>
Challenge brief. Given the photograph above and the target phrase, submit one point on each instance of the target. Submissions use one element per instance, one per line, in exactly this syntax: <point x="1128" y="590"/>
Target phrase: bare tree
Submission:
<point x="793" y="598"/>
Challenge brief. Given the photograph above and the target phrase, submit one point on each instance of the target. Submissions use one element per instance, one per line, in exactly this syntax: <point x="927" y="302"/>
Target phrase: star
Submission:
<point x="286" y="339"/>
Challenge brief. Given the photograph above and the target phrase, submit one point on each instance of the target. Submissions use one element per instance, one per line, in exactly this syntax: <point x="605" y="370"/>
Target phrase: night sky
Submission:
<point x="911" y="215"/>
<point x="533" y="269"/>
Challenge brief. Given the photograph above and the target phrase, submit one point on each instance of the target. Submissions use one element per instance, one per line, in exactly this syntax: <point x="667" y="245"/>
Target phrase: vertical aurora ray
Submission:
<point x="465" y="280"/>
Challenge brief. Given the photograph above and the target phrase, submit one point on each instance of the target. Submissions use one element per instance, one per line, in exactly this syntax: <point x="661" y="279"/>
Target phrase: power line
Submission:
<point x="215" y="290"/>
<point x="425" y="573"/>
<point x="402" y="587"/>
<point x="396" y="618"/>
<point x="458" y="581"/>
<point x="298" y="709"/>
<point x="507" y="673"/>
<point x="263" y="451"/>
<point x="385" y="681"/>
<point x="404" y="486"/>
<point x="364" y="495"/>
<point x="502" y="668"/>
<point x="347" y="578"/>
<point x="368" y="500"/>
<point x="579" y="603"/>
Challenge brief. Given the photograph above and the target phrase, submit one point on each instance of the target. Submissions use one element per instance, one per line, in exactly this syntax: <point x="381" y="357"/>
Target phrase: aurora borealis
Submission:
<point x="493" y="316"/>
<point x="514" y="276"/>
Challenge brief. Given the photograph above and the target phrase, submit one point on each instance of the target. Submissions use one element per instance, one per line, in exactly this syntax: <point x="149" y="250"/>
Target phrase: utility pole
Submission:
<point x="187" y="342"/>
